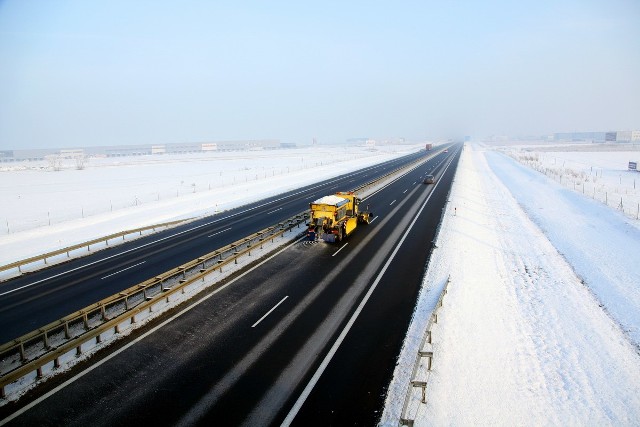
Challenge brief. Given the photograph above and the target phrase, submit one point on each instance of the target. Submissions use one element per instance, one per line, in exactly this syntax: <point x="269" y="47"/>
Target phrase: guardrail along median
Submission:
<point x="49" y="349"/>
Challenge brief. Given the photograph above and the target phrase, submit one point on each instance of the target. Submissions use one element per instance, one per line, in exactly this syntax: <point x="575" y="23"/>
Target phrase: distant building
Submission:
<point x="618" y="136"/>
<point x="580" y="136"/>
<point x="138" y="150"/>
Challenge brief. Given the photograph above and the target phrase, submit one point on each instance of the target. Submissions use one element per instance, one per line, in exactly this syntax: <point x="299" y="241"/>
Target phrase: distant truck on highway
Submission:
<point x="335" y="217"/>
<point x="429" y="147"/>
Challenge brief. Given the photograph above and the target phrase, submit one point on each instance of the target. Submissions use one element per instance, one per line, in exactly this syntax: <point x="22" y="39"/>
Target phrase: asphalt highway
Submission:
<point x="306" y="337"/>
<point x="36" y="299"/>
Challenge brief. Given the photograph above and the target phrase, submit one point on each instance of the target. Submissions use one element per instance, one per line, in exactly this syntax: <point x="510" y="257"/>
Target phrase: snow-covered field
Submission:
<point x="43" y="210"/>
<point x="601" y="175"/>
<point x="540" y="325"/>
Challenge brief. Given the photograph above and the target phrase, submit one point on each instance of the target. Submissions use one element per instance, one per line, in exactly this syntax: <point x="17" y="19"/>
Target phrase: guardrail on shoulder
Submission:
<point x="44" y="257"/>
<point x="31" y="353"/>
<point x="424" y="352"/>
<point x="42" y="350"/>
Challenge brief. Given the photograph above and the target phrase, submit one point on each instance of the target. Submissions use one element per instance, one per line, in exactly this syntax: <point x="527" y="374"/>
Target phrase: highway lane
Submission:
<point x="244" y="355"/>
<point x="38" y="298"/>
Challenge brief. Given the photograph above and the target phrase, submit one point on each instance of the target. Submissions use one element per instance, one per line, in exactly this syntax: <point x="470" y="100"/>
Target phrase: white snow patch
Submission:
<point x="520" y="340"/>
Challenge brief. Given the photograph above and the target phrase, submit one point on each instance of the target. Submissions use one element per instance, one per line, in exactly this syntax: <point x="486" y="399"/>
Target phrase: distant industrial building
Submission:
<point x="140" y="150"/>
<point x="617" y="136"/>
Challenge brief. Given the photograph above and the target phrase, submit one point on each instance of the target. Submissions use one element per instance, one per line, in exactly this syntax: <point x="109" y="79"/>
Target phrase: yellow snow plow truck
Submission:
<point x="335" y="217"/>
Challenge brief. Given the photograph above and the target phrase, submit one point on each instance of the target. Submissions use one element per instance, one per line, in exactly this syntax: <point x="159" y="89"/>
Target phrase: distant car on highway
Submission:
<point x="429" y="179"/>
<point x="446" y="151"/>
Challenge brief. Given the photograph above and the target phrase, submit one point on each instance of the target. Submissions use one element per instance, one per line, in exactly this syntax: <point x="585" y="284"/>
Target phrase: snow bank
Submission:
<point x="520" y="340"/>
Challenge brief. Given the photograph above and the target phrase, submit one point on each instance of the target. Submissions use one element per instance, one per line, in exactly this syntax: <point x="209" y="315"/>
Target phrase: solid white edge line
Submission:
<point x="269" y="312"/>
<point x="334" y="348"/>
<point x="140" y="338"/>
<point x="124" y="269"/>
<point x="336" y="252"/>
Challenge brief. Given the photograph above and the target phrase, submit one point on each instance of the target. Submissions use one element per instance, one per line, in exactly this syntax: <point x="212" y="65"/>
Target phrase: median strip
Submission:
<point x="32" y="356"/>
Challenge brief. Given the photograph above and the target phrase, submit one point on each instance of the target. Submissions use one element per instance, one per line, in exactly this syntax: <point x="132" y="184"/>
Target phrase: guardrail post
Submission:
<point x="423" y="385"/>
<point x="79" y="350"/>
<point x="56" y="363"/>
<point x="46" y="340"/>
<point x="66" y="330"/>
<point x="85" y="321"/>
<point x="406" y="422"/>
<point x="103" y="313"/>
<point x="429" y="356"/>
<point x="23" y="356"/>
<point x="3" y="394"/>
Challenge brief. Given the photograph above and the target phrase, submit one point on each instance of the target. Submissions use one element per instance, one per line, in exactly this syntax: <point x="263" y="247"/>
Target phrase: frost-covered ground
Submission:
<point x="43" y="210"/>
<point x="540" y="325"/>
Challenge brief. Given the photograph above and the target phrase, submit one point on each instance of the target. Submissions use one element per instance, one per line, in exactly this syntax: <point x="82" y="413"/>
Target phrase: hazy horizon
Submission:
<point x="78" y="73"/>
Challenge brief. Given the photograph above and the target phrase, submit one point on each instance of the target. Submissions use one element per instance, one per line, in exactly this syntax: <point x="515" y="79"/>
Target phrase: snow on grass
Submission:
<point x="599" y="243"/>
<point x="602" y="176"/>
<point x="116" y="194"/>
<point x="520" y="340"/>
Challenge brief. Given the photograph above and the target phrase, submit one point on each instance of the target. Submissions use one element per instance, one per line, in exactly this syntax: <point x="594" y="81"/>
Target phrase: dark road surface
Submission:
<point x="36" y="299"/>
<point x="309" y="336"/>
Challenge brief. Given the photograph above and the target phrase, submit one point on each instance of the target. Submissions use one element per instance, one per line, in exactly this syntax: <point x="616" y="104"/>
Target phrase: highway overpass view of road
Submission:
<point x="306" y="336"/>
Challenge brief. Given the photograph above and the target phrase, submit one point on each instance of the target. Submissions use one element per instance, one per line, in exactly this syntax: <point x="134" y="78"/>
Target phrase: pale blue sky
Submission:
<point x="78" y="73"/>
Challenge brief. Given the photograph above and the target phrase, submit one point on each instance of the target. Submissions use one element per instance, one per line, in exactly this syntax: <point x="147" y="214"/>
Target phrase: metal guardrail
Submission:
<point x="423" y="352"/>
<point x="88" y="244"/>
<point x="34" y="350"/>
<point x="31" y="352"/>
